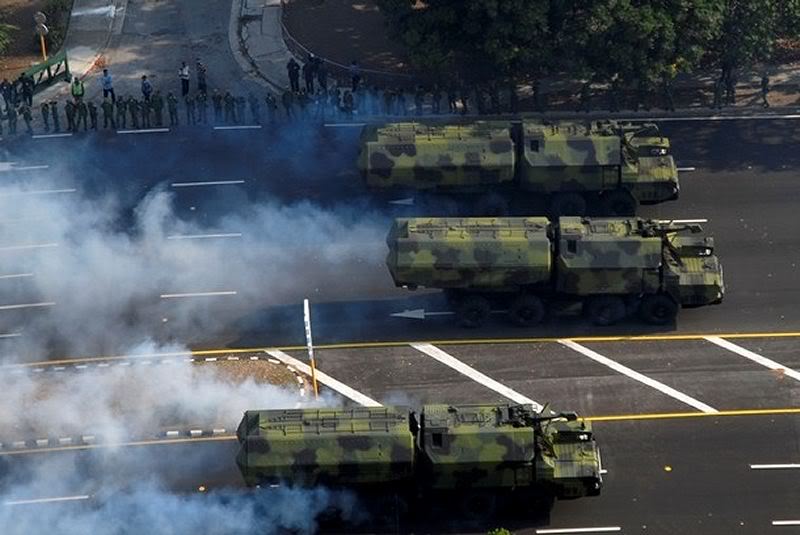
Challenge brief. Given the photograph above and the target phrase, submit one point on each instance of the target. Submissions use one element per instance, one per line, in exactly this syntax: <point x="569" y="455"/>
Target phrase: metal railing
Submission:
<point x="49" y="71"/>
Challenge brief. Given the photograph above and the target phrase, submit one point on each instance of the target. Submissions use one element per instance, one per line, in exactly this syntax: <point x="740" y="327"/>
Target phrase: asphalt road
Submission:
<point x="744" y="183"/>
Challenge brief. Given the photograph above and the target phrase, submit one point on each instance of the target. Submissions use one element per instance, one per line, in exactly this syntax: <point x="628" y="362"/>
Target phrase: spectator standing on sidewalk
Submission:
<point x="69" y="110"/>
<point x="183" y="75"/>
<point x="44" y="107"/>
<point x="54" y="114"/>
<point x="718" y="89"/>
<point x="765" y="91"/>
<point x="272" y="107"/>
<point x="147" y="89"/>
<point x="172" y="107"/>
<point x="11" y="113"/>
<point x="158" y="108"/>
<point x="216" y="102"/>
<point x="122" y="113"/>
<point x="108" y="86"/>
<point x="202" y="70"/>
<point x="92" y="115"/>
<point x="28" y="85"/>
<point x="191" y="119"/>
<point x="108" y="113"/>
<point x="25" y="111"/>
<point x="202" y="107"/>
<point x="730" y="87"/>
<point x="77" y="89"/>
<point x="293" y="69"/>
<point x="355" y="75"/>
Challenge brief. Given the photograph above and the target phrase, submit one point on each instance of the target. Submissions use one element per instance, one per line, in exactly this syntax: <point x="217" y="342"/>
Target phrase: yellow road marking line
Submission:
<point x="222" y="438"/>
<point x="377" y="345"/>
<point x="683" y="415"/>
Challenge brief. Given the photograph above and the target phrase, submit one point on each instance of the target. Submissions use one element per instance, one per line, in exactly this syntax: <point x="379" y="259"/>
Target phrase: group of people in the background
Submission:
<point x="17" y="102"/>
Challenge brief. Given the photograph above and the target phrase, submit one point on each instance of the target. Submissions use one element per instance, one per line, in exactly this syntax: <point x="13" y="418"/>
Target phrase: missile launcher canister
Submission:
<point x="497" y="448"/>
<point x="525" y="265"/>
<point x="569" y="164"/>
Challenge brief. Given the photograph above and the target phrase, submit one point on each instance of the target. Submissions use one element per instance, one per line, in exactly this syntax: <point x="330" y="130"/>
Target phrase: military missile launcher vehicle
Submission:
<point x="499" y="167"/>
<point x="474" y="454"/>
<point x="612" y="267"/>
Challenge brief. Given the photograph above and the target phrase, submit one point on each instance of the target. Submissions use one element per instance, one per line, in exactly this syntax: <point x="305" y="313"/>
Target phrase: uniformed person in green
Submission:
<point x="172" y="107"/>
<point x="229" y="107"/>
<point x="241" y="104"/>
<point x="69" y="109"/>
<point x="191" y="118"/>
<point x="201" y="100"/>
<point x="216" y="101"/>
<point x="27" y="116"/>
<point x="92" y="114"/>
<point x="146" y="108"/>
<point x="158" y="108"/>
<point x="54" y="114"/>
<point x="11" y="113"/>
<point x="108" y="113"/>
<point x="83" y="115"/>
<point x="122" y="113"/>
<point x="133" y="109"/>
<point x="44" y="107"/>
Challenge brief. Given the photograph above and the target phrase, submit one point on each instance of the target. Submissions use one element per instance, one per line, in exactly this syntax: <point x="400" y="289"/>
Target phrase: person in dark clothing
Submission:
<point x="308" y="76"/>
<point x="69" y="109"/>
<point x="108" y="113"/>
<point x="293" y="68"/>
<point x="54" y="114"/>
<point x="216" y="101"/>
<point x="355" y="75"/>
<point x="322" y="75"/>
<point x="27" y="85"/>
<point x="5" y="90"/>
<point x="92" y="115"/>
<point x="44" y="107"/>
<point x="147" y="89"/>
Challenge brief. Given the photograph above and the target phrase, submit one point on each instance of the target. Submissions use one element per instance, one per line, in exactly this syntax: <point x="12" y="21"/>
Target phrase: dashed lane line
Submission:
<point x="714" y="118"/>
<point x="38" y="192"/>
<point x="10" y="335"/>
<point x="29" y="247"/>
<point x="344" y="125"/>
<point x="755" y="357"/>
<point x="449" y="360"/>
<point x="16" y="276"/>
<point x="10" y="167"/>
<point x="786" y="522"/>
<point x="204" y="236"/>
<point x="47" y="500"/>
<point x="239" y="127"/>
<point x="198" y="294"/>
<point x="786" y="466"/>
<point x="144" y="131"/>
<point x="27" y="305"/>
<point x="51" y="136"/>
<point x="206" y="183"/>
<point x="324" y="378"/>
<point x="652" y="383"/>
<point x="553" y="531"/>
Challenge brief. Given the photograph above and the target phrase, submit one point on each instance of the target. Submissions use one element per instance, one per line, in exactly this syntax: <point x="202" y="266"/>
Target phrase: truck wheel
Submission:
<point x="658" y="309"/>
<point x="566" y="204"/>
<point x="618" y="203"/>
<point x="605" y="310"/>
<point x="473" y="311"/>
<point x="526" y="311"/>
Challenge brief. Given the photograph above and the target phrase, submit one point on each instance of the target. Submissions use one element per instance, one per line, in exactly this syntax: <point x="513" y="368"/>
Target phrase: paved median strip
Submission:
<point x="449" y="360"/>
<point x="755" y="357"/>
<point x="324" y="378"/>
<point x="616" y="366"/>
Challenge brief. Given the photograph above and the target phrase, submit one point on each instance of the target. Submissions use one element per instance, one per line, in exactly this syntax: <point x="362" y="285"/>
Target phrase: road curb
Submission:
<point x="236" y="42"/>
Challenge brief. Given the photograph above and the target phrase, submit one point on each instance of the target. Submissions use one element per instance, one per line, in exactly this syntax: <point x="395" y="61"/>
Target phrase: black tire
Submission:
<point x="526" y="311"/>
<point x="618" y="203"/>
<point x="605" y="310"/>
<point x="568" y="204"/>
<point x="658" y="309"/>
<point x="473" y="311"/>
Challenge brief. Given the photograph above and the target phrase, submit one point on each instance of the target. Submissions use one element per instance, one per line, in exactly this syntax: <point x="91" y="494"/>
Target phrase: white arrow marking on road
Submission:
<point x="788" y="466"/>
<point x="755" y="357"/>
<point x="47" y="500"/>
<point x="208" y="183"/>
<point x="197" y="294"/>
<point x="449" y="360"/>
<point x="616" y="366"/>
<point x="403" y="202"/>
<point x="325" y="379"/>
<point x="419" y="314"/>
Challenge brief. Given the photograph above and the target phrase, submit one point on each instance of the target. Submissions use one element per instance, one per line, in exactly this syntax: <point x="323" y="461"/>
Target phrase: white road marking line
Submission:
<point x="172" y="434"/>
<point x="274" y="361"/>
<point x="204" y="236"/>
<point x="786" y="522"/>
<point x="81" y="366"/>
<point x="145" y="131"/>
<point x="757" y="117"/>
<point x="26" y="305"/>
<point x="211" y="359"/>
<point x="26" y="247"/>
<point x="103" y="365"/>
<point x="49" y="136"/>
<point x="232" y="358"/>
<point x="686" y="169"/>
<point x="325" y="379"/>
<point x="47" y="500"/>
<point x="787" y="466"/>
<point x="344" y="125"/>
<point x="9" y="167"/>
<point x="239" y="127"/>
<point x="10" y="335"/>
<point x="38" y="192"/>
<point x="609" y="529"/>
<point x="194" y="433"/>
<point x="16" y="276"/>
<point x="207" y="183"/>
<point x="197" y="294"/>
<point x="218" y="431"/>
<point x="616" y="366"/>
<point x="755" y="357"/>
<point x="449" y="360"/>
<point x="59" y="368"/>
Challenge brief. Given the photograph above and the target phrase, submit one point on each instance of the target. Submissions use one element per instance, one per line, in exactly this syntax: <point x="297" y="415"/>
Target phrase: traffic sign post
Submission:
<point x="310" y="346"/>
<point x="41" y="29"/>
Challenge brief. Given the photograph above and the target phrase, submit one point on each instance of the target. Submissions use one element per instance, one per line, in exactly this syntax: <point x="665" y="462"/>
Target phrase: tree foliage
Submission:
<point x="627" y="40"/>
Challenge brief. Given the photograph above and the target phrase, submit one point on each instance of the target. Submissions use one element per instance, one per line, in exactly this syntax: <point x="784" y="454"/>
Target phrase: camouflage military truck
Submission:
<point x="475" y="454"/>
<point x="612" y="267"/>
<point x="499" y="167"/>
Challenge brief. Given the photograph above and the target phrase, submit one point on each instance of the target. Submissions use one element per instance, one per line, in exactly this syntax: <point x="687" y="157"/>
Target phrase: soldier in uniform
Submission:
<point x="92" y="114"/>
<point x="202" y="107"/>
<point x="69" y="109"/>
<point x="11" y="113"/>
<point x="158" y="108"/>
<point x="83" y="116"/>
<point x="172" y="107"/>
<point x="288" y="104"/>
<point x="191" y="118"/>
<point x="229" y="107"/>
<point x="241" y="104"/>
<point x="122" y="112"/>
<point x="764" y="91"/>
<point x="146" y="108"/>
<point x="272" y="107"/>
<point x="27" y="116"/>
<point x="54" y="115"/>
<point x="45" y="109"/>
<point x="108" y="113"/>
<point x="255" y="108"/>
<point x="216" y="101"/>
<point x="133" y="109"/>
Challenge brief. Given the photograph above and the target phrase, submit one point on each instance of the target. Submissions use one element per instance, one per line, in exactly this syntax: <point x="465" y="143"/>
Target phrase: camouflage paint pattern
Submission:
<point x="445" y="447"/>
<point x="575" y="257"/>
<point x="555" y="157"/>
